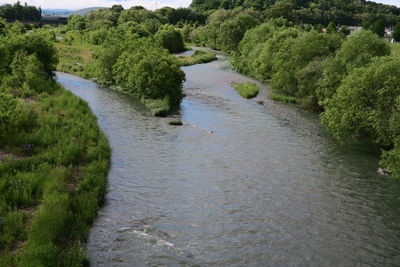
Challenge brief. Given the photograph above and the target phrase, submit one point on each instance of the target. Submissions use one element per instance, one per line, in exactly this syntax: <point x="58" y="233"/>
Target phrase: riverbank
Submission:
<point x="54" y="177"/>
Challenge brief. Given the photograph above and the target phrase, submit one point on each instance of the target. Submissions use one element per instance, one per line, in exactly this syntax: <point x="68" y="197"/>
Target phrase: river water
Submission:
<point x="267" y="188"/>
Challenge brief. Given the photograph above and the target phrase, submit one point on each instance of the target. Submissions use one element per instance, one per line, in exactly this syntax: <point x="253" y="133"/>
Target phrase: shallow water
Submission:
<point x="268" y="187"/>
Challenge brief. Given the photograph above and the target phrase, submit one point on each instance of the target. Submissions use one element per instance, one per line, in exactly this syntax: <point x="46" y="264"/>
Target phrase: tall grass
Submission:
<point x="395" y="49"/>
<point x="52" y="187"/>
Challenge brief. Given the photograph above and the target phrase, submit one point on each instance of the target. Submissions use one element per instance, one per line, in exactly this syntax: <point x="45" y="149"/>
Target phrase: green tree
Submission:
<point x="233" y="30"/>
<point x="367" y="106"/>
<point x="171" y="39"/>
<point x="76" y="22"/>
<point x="147" y="71"/>
<point x="296" y="54"/>
<point x="396" y="32"/>
<point x="378" y="27"/>
<point x="331" y="28"/>
<point x="281" y="9"/>
<point x="356" y="51"/>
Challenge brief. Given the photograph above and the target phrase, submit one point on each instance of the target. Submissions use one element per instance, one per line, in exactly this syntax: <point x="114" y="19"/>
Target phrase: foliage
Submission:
<point x="232" y="31"/>
<point x="20" y="12"/>
<point x="378" y="27"/>
<point x="367" y="45"/>
<point x="342" y="12"/>
<point x="34" y="43"/>
<point x="282" y="98"/>
<point x="296" y="54"/>
<point x="331" y="27"/>
<point x="225" y="29"/>
<point x="149" y="72"/>
<point x="367" y="106"/>
<point x="246" y="90"/>
<point x="281" y="9"/>
<point x="171" y="39"/>
<point x="396" y="32"/>
<point x="53" y="174"/>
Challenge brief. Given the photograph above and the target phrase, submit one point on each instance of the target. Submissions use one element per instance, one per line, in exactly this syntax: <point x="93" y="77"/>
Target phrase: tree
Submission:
<point x="367" y="106"/>
<point x="171" y="39"/>
<point x="281" y="9"/>
<point x="331" y="28"/>
<point x="378" y="27"/>
<point x="396" y="32"/>
<point x="356" y="51"/>
<point x="296" y="54"/>
<point x="233" y="30"/>
<point x="76" y="22"/>
<point x="148" y="71"/>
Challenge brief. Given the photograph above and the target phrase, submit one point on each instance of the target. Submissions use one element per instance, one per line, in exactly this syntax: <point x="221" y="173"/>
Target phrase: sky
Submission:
<point x="149" y="4"/>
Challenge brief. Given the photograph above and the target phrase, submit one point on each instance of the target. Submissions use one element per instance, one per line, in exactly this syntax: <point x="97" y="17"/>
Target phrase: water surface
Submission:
<point x="268" y="187"/>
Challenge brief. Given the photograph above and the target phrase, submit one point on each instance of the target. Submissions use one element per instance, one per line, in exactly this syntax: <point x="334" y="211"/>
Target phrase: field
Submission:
<point x="395" y="49"/>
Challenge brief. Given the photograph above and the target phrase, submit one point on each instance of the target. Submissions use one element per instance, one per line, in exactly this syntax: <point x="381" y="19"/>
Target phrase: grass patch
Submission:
<point x="50" y="193"/>
<point x="395" y="50"/>
<point x="198" y="57"/>
<point x="283" y="98"/>
<point x="246" y="90"/>
<point x="76" y="59"/>
<point x="176" y="123"/>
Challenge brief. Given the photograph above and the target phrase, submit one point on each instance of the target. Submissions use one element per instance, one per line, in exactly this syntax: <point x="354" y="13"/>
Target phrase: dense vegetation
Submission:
<point x="128" y="50"/>
<point x="343" y="12"/>
<point x="20" y="12"/>
<point x="53" y="158"/>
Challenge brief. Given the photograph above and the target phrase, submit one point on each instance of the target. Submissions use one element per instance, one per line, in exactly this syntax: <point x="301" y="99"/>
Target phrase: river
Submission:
<point x="267" y="187"/>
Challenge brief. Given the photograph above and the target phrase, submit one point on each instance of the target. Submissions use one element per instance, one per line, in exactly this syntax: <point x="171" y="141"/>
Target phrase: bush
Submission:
<point x="148" y="72"/>
<point x="296" y="54"/>
<point x="171" y="39"/>
<point x="367" y="45"/>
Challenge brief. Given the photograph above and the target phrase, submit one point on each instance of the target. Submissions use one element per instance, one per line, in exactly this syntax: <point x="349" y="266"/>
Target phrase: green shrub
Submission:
<point x="171" y="39"/>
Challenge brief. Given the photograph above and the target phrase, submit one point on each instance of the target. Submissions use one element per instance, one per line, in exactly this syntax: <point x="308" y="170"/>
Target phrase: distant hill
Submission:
<point x="83" y="12"/>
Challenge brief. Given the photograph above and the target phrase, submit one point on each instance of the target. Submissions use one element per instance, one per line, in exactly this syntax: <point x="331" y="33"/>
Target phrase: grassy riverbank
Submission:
<point x="54" y="159"/>
<point x="54" y="174"/>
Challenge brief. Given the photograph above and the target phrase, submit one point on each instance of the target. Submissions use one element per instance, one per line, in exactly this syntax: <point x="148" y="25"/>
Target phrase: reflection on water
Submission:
<point x="269" y="187"/>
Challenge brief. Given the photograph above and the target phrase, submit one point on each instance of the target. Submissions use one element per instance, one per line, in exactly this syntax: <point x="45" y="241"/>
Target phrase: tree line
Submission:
<point x="344" y="12"/>
<point x="20" y="12"/>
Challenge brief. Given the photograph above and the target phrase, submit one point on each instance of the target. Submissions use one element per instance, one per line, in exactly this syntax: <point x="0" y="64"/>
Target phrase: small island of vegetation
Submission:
<point x="246" y="90"/>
